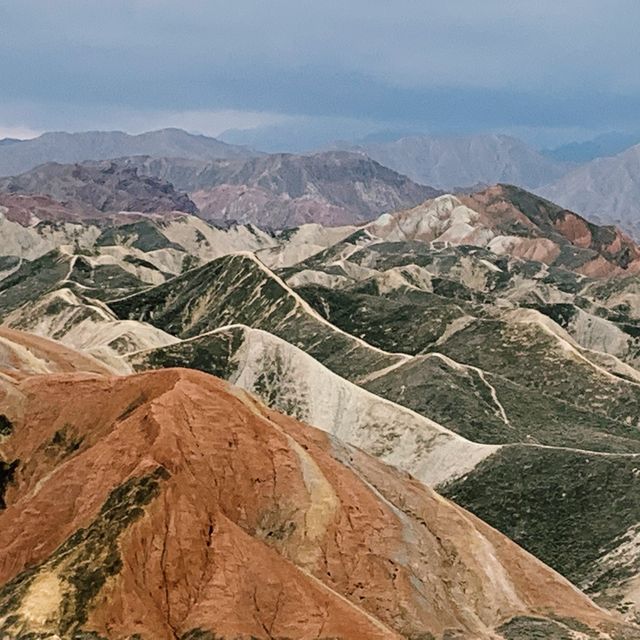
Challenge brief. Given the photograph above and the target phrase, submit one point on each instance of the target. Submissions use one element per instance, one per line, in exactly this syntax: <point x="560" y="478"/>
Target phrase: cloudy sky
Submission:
<point x="548" y="70"/>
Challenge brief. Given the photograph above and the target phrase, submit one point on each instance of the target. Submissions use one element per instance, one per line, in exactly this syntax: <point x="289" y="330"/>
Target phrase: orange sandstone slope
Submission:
<point x="24" y="354"/>
<point x="171" y="505"/>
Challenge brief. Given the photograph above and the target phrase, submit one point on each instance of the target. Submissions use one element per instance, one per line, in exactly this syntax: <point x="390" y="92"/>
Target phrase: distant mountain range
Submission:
<point x="606" y="190"/>
<point x="604" y="145"/>
<point x="452" y="162"/>
<point x="99" y="187"/>
<point x="20" y="156"/>
<point x="234" y="183"/>
<point x="276" y="191"/>
<point x="286" y="190"/>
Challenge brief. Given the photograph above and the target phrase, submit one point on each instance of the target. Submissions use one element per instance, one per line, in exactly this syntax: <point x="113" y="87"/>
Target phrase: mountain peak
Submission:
<point x="606" y="190"/>
<point x="509" y="220"/>
<point x="286" y="190"/>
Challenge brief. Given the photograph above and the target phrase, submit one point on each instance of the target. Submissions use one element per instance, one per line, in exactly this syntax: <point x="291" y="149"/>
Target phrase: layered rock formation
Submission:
<point x="475" y="342"/>
<point x="507" y="220"/>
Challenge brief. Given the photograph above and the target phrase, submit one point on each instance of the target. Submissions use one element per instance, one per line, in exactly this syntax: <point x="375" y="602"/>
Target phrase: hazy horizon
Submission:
<point x="308" y="74"/>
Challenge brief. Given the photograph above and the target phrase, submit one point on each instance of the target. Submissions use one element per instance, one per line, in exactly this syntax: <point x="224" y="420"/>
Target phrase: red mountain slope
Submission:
<point x="172" y="505"/>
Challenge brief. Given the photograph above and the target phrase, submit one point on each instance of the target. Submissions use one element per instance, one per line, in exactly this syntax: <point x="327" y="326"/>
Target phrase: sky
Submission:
<point x="548" y="71"/>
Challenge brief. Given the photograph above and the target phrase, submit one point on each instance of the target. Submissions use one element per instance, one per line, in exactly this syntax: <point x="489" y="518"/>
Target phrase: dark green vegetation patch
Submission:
<point x="32" y="280"/>
<point x="211" y="353"/>
<point x="532" y="628"/>
<point x="565" y="507"/>
<point x="528" y="628"/>
<point x="407" y="321"/>
<point x="7" y="471"/>
<point x="143" y="234"/>
<point x="6" y="426"/>
<point x="236" y="290"/>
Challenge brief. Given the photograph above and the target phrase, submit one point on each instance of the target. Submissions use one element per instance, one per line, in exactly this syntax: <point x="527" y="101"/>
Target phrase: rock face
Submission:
<point x="285" y="190"/>
<point x="28" y="210"/>
<point x="606" y="190"/>
<point x="464" y="161"/>
<point x="171" y="505"/>
<point x="549" y="220"/>
<point x="99" y="187"/>
<point x="19" y="156"/>
<point x="280" y="191"/>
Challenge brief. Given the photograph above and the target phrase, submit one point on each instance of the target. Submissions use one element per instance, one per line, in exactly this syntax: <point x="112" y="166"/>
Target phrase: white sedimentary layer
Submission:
<point x="87" y="326"/>
<point x="394" y="433"/>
